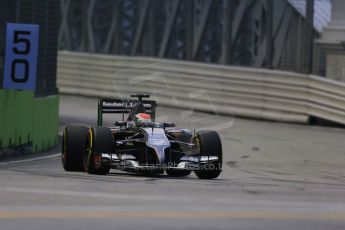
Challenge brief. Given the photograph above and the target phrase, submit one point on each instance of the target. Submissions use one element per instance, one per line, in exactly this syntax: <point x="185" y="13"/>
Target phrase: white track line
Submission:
<point x="30" y="160"/>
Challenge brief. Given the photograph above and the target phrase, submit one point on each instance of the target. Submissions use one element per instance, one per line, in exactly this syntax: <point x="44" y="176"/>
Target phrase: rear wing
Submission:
<point x="124" y="107"/>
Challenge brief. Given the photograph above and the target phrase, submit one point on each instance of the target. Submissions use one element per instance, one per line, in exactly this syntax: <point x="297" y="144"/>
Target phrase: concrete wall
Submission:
<point x="332" y="44"/>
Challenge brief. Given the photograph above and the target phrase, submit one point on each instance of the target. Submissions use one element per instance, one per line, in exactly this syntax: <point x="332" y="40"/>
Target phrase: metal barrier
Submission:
<point x="248" y="92"/>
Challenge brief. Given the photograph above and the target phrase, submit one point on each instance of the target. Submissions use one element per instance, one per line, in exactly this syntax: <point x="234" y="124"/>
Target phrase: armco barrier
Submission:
<point x="25" y="119"/>
<point x="249" y="92"/>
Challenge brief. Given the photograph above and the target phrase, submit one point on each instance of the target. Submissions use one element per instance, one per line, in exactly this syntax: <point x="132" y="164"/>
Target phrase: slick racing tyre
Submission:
<point x="209" y="144"/>
<point x="73" y="146"/>
<point x="177" y="172"/>
<point x="99" y="140"/>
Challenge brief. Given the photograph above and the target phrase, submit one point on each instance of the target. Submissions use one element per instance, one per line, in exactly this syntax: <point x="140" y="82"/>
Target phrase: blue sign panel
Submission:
<point x="21" y="56"/>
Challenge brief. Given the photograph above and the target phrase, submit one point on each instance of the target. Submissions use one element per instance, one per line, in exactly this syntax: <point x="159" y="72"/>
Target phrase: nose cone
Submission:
<point x="159" y="147"/>
<point x="157" y="140"/>
<point x="160" y="155"/>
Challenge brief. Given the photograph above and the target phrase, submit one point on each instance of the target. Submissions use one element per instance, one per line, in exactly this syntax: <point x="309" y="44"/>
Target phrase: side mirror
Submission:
<point x="169" y="124"/>
<point x="121" y="123"/>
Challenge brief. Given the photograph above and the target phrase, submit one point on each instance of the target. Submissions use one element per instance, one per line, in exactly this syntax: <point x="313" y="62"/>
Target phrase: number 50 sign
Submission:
<point x="21" y="56"/>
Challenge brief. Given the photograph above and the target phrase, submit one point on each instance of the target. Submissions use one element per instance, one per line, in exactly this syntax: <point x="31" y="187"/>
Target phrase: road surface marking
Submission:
<point x="31" y="159"/>
<point x="340" y="216"/>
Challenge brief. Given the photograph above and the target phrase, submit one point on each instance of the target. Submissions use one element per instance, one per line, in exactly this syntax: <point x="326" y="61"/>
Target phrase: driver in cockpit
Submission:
<point x="138" y="114"/>
<point x="142" y="117"/>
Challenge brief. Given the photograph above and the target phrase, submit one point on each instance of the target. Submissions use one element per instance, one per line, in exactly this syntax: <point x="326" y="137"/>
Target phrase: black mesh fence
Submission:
<point x="46" y="14"/>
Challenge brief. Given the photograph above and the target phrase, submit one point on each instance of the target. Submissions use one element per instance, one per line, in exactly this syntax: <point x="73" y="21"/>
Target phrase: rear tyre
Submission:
<point x="177" y="172"/>
<point x="99" y="140"/>
<point x="73" y="146"/>
<point x="209" y="144"/>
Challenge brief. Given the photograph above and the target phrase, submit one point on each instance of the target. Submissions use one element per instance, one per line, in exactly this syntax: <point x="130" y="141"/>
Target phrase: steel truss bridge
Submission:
<point x="258" y="33"/>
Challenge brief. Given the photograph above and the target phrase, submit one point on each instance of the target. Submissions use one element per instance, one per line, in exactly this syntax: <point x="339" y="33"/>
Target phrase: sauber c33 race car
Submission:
<point x="139" y="144"/>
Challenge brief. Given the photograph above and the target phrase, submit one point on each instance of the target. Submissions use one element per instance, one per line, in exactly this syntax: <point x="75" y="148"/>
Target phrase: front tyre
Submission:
<point x="73" y="146"/>
<point x="99" y="140"/>
<point x="209" y="144"/>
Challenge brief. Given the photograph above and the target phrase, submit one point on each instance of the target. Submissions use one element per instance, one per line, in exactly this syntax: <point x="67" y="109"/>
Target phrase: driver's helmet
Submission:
<point x="142" y="117"/>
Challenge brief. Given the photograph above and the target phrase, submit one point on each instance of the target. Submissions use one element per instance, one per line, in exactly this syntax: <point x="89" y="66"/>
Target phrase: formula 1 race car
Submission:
<point x="139" y="144"/>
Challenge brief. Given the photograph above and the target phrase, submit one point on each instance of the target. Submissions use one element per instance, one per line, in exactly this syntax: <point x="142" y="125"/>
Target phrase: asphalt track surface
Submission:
<point x="276" y="176"/>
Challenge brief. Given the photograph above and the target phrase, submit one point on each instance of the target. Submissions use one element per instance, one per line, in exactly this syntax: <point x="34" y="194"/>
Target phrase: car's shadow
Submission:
<point x="157" y="177"/>
<point x="151" y="176"/>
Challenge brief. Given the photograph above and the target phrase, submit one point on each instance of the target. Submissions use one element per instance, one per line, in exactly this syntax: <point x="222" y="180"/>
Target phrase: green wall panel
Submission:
<point x="54" y="120"/>
<point x="26" y="119"/>
<point x="24" y="113"/>
<point x="9" y="124"/>
<point x="45" y="123"/>
<point x="38" y="123"/>
<point x="2" y="117"/>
